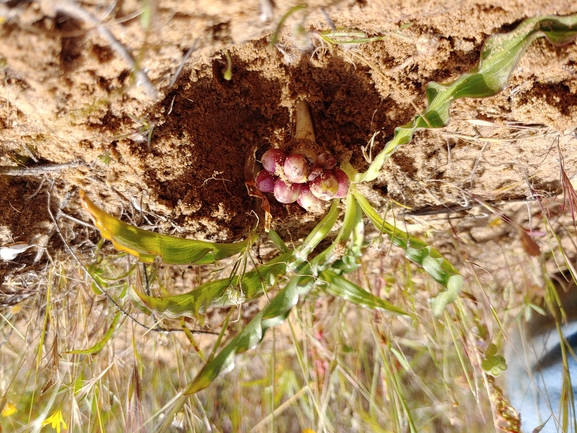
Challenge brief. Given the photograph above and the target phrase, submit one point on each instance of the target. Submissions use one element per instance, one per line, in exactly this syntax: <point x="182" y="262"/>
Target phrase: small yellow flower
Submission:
<point x="56" y="421"/>
<point x="9" y="409"/>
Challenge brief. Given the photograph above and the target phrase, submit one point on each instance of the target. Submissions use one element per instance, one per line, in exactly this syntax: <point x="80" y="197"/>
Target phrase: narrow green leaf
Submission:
<point x="271" y="315"/>
<point x="499" y="57"/>
<point x="102" y="342"/>
<point x="338" y="248"/>
<point x="417" y="251"/>
<point x="353" y="229"/>
<point x="318" y="233"/>
<point x="358" y="228"/>
<point x="281" y="305"/>
<point x="343" y="288"/>
<point x="242" y="288"/>
<point x="277" y="241"/>
<point x="219" y="293"/>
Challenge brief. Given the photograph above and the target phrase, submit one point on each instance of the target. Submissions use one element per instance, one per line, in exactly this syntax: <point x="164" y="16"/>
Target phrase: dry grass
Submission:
<point x="332" y="367"/>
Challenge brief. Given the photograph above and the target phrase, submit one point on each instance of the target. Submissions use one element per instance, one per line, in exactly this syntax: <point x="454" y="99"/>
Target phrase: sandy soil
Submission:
<point x="171" y="155"/>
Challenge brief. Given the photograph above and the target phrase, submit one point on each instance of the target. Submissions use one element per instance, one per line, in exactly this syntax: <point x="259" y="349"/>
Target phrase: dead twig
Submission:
<point x="179" y="70"/>
<point x="38" y="170"/>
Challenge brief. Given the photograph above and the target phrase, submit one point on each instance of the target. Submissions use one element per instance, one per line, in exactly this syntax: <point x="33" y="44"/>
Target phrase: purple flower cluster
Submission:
<point x="302" y="176"/>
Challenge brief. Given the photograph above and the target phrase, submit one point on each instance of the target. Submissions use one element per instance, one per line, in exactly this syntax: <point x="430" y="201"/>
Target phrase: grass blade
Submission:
<point x="100" y="344"/>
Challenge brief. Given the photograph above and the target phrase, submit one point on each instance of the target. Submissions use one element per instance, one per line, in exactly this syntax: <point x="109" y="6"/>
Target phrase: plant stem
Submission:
<point x="304" y="124"/>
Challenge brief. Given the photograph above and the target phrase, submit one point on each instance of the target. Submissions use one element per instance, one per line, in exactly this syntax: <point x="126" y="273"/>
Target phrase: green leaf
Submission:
<point x="277" y="241"/>
<point x="354" y="229"/>
<point x="219" y="293"/>
<point x="271" y="315"/>
<point x="495" y="365"/>
<point x="279" y="307"/>
<point x="343" y="288"/>
<point x="100" y="344"/>
<point x="334" y="255"/>
<point x="318" y="233"/>
<point x="417" y="251"/>
<point x="301" y="283"/>
<point x="242" y="288"/>
<point x="454" y="285"/>
<point x="146" y="246"/>
<point x="499" y="57"/>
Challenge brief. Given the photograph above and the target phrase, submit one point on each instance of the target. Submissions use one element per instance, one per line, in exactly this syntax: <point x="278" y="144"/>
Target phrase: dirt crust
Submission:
<point x="171" y="157"/>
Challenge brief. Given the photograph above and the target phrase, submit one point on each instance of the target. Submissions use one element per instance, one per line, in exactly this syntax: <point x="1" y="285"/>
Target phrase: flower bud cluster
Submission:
<point x="302" y="176"/>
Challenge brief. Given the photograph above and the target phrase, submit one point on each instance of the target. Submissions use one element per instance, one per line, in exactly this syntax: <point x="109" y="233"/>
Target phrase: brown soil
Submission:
<point x="69" y="97"/>
<point x="175" y="162"/>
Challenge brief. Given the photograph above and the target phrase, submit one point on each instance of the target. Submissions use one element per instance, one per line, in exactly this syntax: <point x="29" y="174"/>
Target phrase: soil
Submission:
<point x="171" y="156"/>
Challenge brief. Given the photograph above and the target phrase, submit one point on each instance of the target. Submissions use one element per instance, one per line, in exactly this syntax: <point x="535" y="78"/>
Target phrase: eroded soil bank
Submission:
<point x="178" y="154"/>
<point x="69" y="97"/>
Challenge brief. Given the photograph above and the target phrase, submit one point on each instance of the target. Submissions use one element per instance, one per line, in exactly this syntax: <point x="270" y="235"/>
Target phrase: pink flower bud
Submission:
<point x="315" y="172"/>
<point x="343" y="181"/>
<point x="286" y="192"/>
<point x="273" y="160"/>
<point x="326" y="161"/>
<point x="308" y="201"/>
<point x="325" y="186"/>
<point x="265" y="181"/>
<point x="296" y="168"/>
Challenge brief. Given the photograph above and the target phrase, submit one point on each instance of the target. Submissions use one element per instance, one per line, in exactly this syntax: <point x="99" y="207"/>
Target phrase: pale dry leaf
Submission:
<point x="10" y="252"/>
